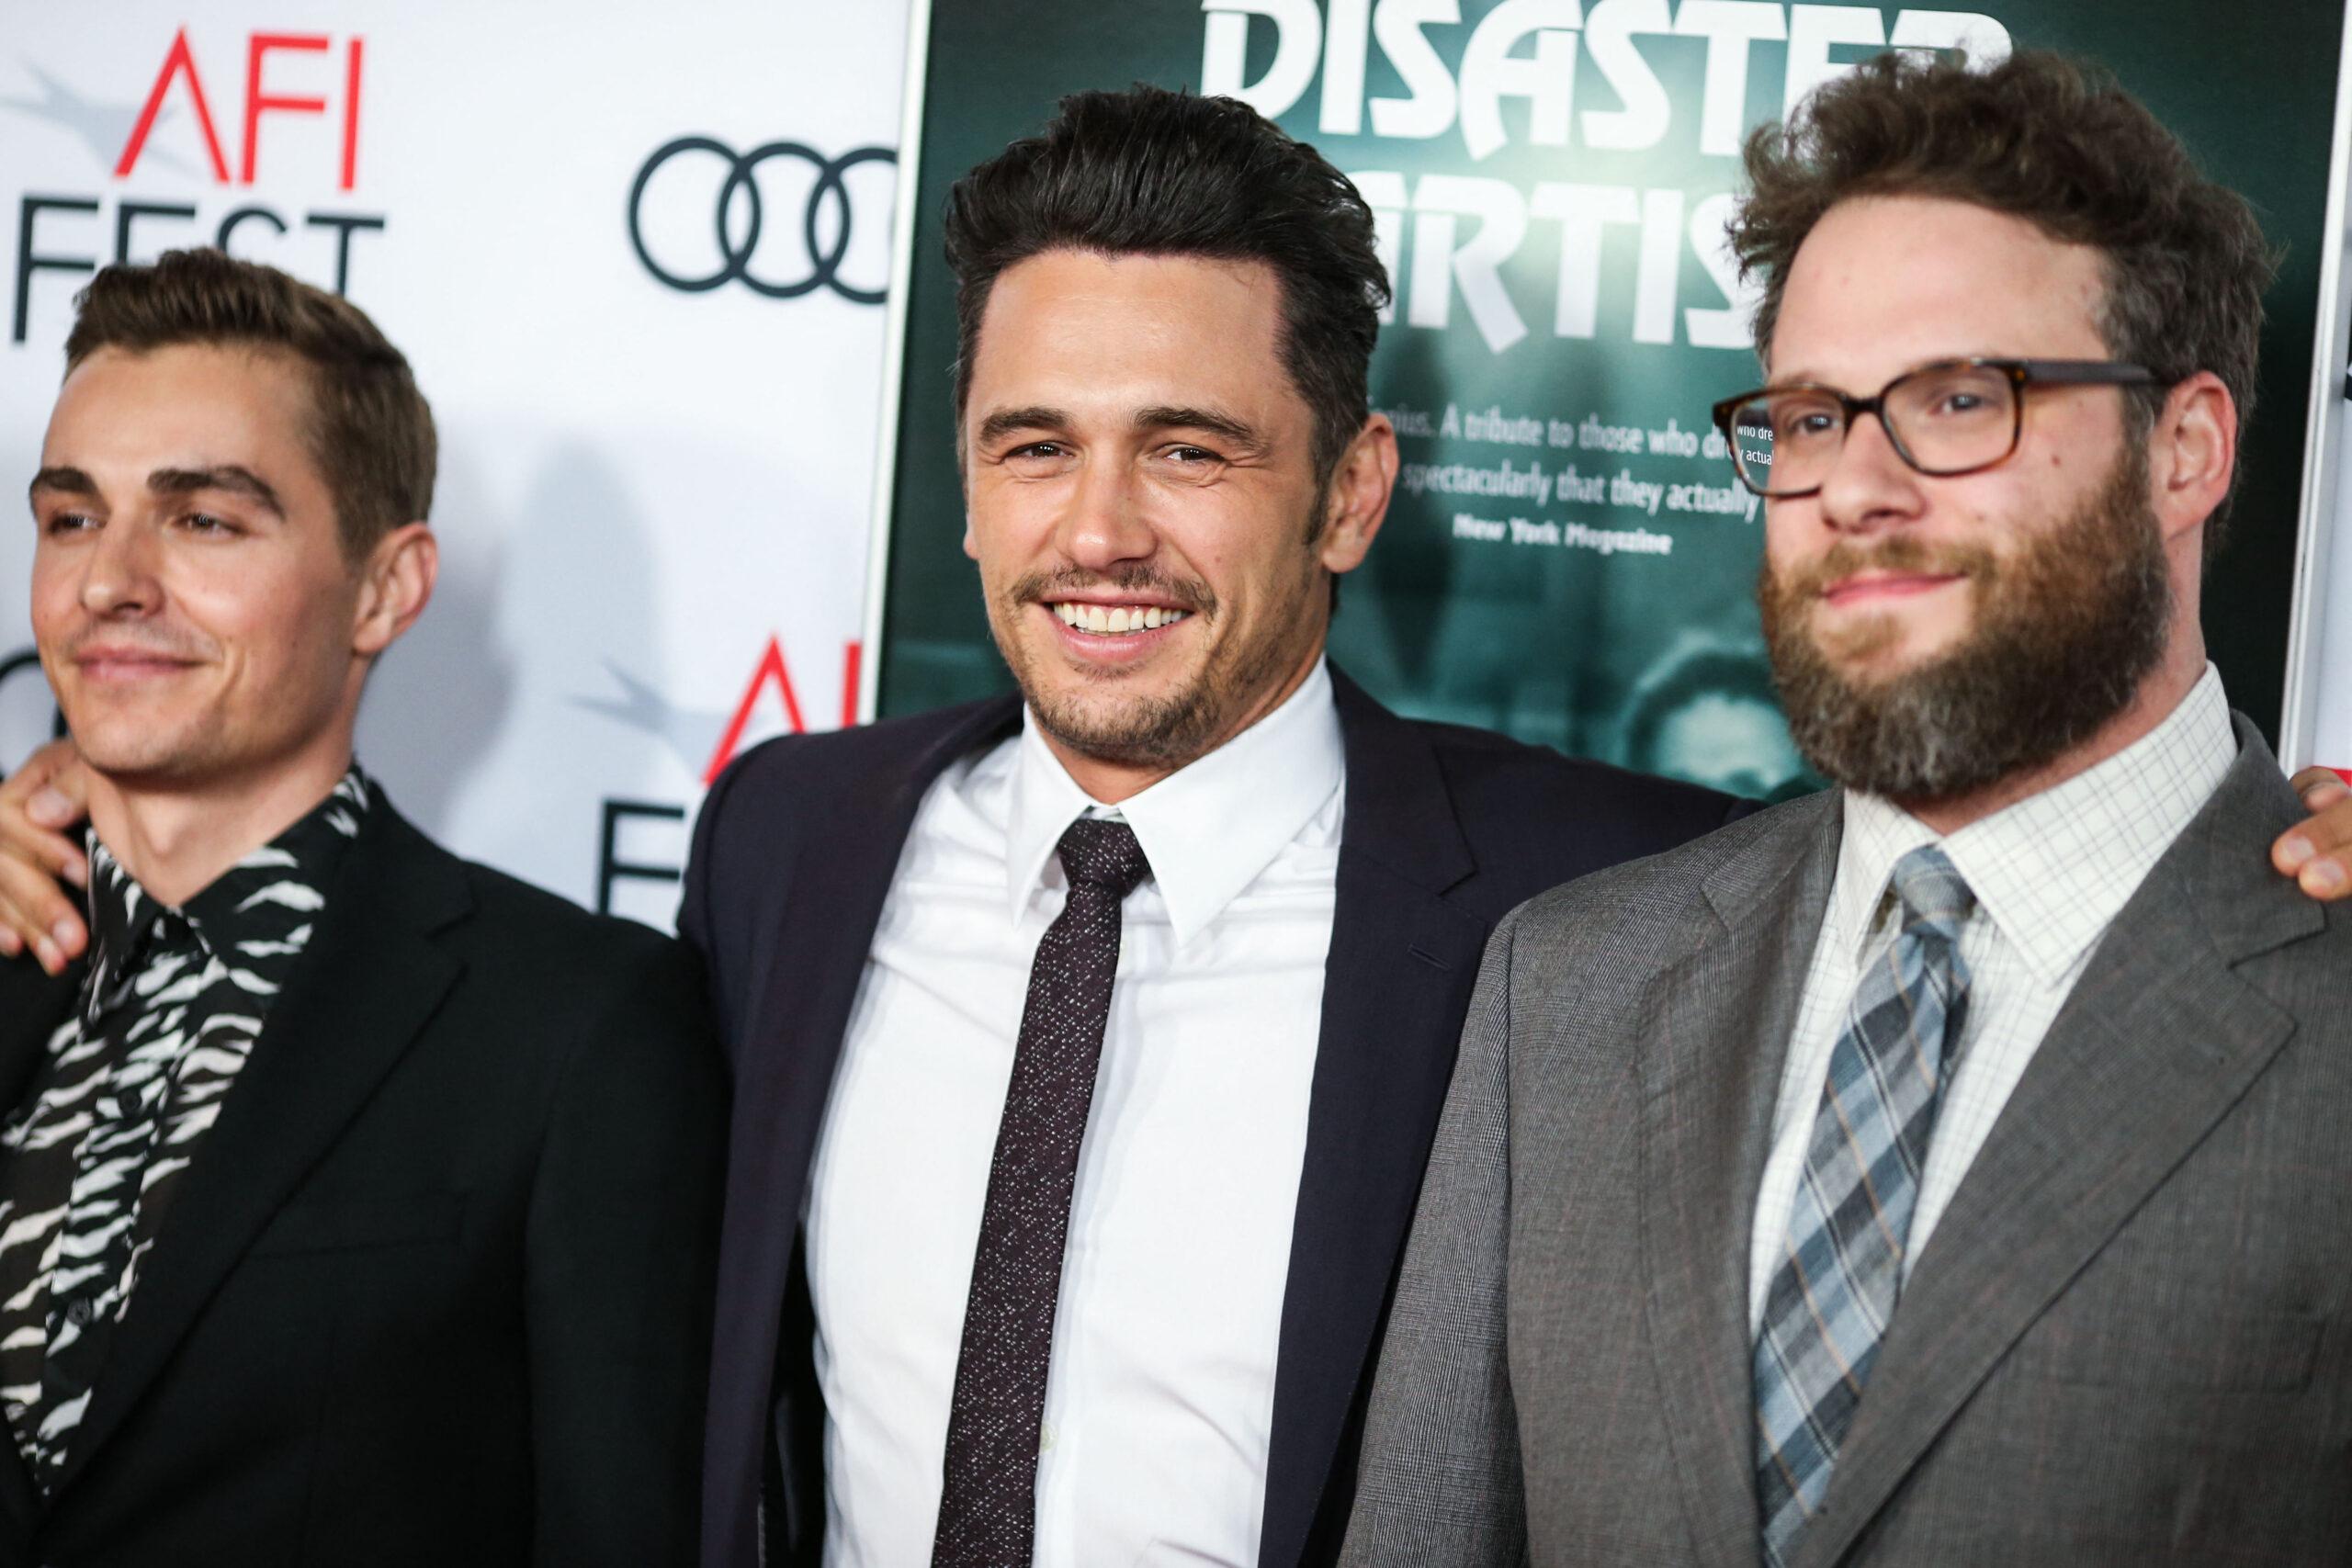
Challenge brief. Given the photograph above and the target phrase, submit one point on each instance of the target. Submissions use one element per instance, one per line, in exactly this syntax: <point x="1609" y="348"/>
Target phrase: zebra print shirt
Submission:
<point x="169" y="1009"/>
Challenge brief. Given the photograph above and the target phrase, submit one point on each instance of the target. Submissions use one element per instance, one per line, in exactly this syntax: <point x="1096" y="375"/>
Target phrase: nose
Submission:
<point x="1869" y="487"/>
<point x="1105" y="525"/>
<point x="120" y="572"/>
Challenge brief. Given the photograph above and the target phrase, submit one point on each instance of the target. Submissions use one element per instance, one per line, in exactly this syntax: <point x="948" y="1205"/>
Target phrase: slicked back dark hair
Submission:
<point x="1150" y="172"/>
<point x="371" y="432"/>
<point x="2062" y="146"/>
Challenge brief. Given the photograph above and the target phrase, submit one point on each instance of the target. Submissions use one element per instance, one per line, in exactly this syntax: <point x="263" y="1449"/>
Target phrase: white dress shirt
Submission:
<point x="1160" y="1399"/>
<point x="2050" y="873"/>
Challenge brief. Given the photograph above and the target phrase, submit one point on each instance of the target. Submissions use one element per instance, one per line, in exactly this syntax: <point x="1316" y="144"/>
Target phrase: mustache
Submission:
<point x="1900" y="553"/>
<point x="1042" y="587"/>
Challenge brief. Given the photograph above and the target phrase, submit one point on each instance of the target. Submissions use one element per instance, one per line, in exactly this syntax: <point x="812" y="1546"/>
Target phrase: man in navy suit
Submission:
<point x="1168" y="306"/>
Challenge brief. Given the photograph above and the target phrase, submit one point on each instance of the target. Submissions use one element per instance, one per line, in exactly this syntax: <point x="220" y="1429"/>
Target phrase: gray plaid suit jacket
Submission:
<point x="2125" y="1344"/>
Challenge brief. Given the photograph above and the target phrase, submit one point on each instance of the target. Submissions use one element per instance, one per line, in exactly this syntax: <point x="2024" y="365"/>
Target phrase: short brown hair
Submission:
<point x="2042" y="138"/>
<point x="1150" y="172"/>
<point x="373" y="434"/>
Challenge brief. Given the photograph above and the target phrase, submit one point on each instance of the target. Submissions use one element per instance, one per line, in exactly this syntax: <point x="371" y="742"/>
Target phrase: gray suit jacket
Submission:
<point x="2126" y="1343"/>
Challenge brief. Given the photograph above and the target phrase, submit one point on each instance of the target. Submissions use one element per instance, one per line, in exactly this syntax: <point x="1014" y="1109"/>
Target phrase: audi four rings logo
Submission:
<point x="741" y="215"/>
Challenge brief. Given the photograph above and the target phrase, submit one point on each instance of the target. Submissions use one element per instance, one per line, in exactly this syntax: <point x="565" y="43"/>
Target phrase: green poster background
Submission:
<point x="1608" y="619"/>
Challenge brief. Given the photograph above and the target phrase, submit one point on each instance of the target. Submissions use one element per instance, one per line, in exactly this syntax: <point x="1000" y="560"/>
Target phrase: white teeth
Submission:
<point x="1118" y="621"/>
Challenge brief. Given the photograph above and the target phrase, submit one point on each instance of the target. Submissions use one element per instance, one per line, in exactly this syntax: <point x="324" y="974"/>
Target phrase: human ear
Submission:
<point x="2192" y="453"/>
<point x="396" y="583"/>
<point x="1355" y="504"/>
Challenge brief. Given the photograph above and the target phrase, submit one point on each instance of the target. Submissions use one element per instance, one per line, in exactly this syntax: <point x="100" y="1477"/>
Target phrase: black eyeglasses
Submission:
<point x="1952" y="417"/>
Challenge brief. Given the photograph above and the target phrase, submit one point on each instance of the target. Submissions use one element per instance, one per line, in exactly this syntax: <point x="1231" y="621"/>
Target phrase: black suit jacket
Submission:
<point x="436" y="1288"/>
<point x="1445" y="830"/>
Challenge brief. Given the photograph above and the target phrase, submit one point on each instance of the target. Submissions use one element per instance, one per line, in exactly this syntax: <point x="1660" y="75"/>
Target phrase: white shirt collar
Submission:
<point x="2053" y="871"/>
<point x="1209" y="828"/>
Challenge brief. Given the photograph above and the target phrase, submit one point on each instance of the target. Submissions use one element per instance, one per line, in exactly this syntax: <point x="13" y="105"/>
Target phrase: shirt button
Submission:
<point x="78" y="1312"/>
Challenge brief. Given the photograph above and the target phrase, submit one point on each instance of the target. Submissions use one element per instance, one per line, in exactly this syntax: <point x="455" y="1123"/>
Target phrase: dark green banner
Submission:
<point x="1570" y="557"/>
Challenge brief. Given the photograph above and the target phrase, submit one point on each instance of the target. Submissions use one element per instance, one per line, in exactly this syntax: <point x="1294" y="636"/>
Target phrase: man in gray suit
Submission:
<point x="1952" y="1168"/>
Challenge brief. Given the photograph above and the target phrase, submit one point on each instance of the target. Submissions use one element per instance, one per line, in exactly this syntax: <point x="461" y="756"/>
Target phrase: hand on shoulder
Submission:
<point x="41" y="805"/>
<point x="2318" y="852"/>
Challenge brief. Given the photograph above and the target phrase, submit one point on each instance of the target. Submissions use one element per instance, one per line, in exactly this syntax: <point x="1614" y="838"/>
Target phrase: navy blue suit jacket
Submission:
<point x="1445" y="830"/>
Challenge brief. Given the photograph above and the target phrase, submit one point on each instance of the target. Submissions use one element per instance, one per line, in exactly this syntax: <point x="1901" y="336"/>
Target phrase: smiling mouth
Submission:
<point x="129" y="666"/>
<point x="1114" y="620"/>
<point x="1887" y="585"/>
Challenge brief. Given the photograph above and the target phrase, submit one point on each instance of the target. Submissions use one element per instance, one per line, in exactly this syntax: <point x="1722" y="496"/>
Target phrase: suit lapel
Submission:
<point x="2157" y="1041"/>
<point x="1716" y="1034"/>
<point x="1399" y="976"/>
<point x="810" y="968"/>
<point x="356" y="1002"/>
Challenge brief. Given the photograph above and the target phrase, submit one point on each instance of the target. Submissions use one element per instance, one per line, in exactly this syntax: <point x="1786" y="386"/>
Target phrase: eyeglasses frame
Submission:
<point x="2022" y="373"/>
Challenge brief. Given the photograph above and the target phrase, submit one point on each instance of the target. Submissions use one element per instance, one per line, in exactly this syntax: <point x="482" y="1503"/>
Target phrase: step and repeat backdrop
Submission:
<point x="640" y="263"/>
<point x="1570" y="557"/>
<point x="637" y="257"/>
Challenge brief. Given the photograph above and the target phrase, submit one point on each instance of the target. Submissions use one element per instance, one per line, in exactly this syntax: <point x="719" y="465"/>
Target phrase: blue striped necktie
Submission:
<point x="1842" y="1267"/>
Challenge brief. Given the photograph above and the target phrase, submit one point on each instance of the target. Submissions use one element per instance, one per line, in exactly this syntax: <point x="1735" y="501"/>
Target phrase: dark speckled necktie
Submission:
<point x="988" y="1511"/>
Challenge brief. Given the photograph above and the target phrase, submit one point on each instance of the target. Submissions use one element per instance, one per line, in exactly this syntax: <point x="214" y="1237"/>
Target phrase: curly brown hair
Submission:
<point x="2043" y="138"/>
<point x="372" y="433"/>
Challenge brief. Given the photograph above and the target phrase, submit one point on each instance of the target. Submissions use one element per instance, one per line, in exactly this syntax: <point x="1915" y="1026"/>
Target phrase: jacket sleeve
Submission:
<point x="619" y="1257"/>
<point x="698" y="919"/>
<point x="1440" y="1483"/>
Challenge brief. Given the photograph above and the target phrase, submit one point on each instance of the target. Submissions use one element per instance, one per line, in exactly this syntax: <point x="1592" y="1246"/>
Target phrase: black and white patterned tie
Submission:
<point x="988" y="1509"/>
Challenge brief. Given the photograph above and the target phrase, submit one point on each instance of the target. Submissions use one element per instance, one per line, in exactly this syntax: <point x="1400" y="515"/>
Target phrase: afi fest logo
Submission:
<point x="191" y="120"/>
<point x="705" y="741"/>
<point x="707" y="206"/>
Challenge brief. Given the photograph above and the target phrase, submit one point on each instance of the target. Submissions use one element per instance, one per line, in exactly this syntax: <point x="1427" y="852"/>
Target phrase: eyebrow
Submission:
<point x="233" y="477"/>
<point x="1236" y="431"/>
<point x="62" y="481"/>
<point x="1814" y="379"/>
<point x="1005" y="421"/>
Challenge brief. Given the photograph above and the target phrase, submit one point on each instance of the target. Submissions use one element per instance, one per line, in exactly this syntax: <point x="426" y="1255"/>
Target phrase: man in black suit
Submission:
<point x="1168" y="307"/>
<point x="356" y="1204"/>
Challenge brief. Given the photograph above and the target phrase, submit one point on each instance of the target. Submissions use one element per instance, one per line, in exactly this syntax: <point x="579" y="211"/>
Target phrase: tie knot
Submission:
<point x="1102" y="853"/>
<point x="1932" y="890"/>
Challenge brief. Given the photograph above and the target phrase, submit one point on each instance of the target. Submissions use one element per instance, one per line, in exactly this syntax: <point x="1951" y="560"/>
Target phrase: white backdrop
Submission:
<point x="642" y="486"/>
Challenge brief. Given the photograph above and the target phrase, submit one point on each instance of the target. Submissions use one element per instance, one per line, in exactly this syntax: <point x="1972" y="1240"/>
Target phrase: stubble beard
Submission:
<point x="2064" y="634"/>
<point x="1107" y="724"/>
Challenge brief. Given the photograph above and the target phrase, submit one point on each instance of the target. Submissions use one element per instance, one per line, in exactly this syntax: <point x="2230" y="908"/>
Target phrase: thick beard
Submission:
<point x="2064" y="634"/>
<point x="1131" y="730"/>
